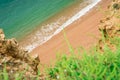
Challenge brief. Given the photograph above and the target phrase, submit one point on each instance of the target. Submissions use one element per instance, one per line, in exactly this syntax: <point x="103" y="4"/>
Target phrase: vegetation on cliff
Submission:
<point x="14" y="59"/>
<point x="100" y="63"/>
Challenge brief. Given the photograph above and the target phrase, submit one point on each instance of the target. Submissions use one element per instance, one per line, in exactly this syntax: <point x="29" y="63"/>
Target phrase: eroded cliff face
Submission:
<point x="110" y="26"/>
<point x="10" y="47"/>
<point x="15" y="58"/>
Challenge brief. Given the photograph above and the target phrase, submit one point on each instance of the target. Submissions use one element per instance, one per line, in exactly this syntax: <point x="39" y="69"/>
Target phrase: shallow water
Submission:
<point x="19" y="17"/>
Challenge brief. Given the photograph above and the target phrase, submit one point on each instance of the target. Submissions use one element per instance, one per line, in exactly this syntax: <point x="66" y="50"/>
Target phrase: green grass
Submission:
<point x="105" y="66"/>
<point x="20" y="75"/>
<point x="85" y="65"/>
<point x="93" y="65"/>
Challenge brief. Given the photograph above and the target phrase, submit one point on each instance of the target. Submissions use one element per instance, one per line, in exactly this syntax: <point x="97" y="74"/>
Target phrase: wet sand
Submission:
<point x="83" y="32"/>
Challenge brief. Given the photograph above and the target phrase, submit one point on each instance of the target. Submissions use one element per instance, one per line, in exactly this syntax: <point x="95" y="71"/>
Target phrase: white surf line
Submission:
<point x="77" y="16"/>
<point x="67" y="23"/>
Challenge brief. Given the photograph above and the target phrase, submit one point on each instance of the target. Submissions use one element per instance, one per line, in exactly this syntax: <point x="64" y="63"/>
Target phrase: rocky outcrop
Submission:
<point x="10" y="47"/>
<point x="14" y="57"/>
<point x="110" y="25"/>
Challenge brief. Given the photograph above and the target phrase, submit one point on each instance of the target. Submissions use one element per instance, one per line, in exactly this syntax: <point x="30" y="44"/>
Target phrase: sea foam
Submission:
<point x="67" y="23"/>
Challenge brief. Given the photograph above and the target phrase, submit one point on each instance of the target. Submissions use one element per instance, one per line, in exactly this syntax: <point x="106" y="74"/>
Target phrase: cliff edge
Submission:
<point x="15" y="58"/>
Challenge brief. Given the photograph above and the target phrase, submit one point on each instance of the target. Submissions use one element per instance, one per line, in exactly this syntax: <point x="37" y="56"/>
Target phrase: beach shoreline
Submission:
<point x="78" y="33"/>
<point x="40" y="36"/>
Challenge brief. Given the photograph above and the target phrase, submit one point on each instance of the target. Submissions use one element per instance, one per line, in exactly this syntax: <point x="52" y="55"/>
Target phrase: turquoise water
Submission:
<point x="20" y="17"/>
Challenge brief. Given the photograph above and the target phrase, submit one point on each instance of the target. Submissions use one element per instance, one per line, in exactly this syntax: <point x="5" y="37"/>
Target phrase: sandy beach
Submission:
<point x="83" y="32"/>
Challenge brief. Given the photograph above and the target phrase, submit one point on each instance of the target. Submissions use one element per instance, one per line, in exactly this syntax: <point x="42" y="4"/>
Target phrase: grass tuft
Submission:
<point x="92" y="66"/>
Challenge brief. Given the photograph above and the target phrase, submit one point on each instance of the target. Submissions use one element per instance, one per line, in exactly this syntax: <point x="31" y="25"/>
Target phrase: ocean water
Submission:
<point x="34" y="22"/>
<point x="19" y="17"/>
